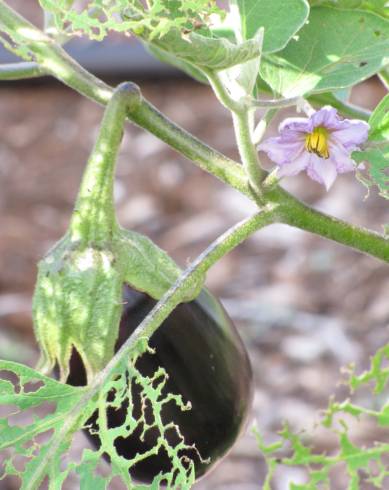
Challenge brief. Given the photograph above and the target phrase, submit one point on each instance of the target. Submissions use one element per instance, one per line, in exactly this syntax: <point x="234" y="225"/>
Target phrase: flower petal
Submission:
<point x="326" y="117"/>
<point x="341" y="157"/>
<point x="280" y="151"/>
<point x="295" y="127"/>
<point x="297" y="165"/>
<point x="351" y="133"/>
<point x="323" y="170"/>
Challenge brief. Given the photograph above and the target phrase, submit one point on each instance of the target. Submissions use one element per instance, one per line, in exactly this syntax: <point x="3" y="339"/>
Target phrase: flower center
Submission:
<point x="317" y="142"/>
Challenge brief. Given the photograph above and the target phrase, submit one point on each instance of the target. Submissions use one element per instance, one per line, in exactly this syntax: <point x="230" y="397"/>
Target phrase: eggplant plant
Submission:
<point x="147" y="361"/>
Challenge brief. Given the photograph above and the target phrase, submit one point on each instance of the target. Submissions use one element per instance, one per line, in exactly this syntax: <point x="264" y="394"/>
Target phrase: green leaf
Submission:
<point x="207" y="52"/>
<point x="378" y="372"/>
<point x="240" y="79"/>
<point x="336" y="49"/>
<point x="170" y="59"/>
<point x="377" y="156"/>
<point x="380" y="7"/>
<point x="280" y="19"/>
<point x="379" y="121"/>
<point x="378" y="167"/>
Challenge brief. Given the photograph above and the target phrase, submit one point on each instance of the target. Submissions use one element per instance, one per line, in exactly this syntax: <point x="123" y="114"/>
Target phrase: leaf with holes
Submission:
<point x="41" y="437"/>
<point x="377" y="160"/>
<point x="23" y="438"/>
<point x="361" y="465"/>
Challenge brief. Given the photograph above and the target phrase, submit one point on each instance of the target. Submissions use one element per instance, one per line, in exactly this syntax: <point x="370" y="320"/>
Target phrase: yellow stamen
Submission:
<point x="317" y="142"/>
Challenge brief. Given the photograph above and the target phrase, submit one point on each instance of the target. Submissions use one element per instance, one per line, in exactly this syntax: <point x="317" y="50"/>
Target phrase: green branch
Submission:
<point x="299" y="215"/>
<point x="21" y="71"/>
<point x="241" y="116"/>
<point x="275" y="103"/>
<point x="221" y="92"/>
<point x="345" y="108"/>
<point x="248" y="152"/>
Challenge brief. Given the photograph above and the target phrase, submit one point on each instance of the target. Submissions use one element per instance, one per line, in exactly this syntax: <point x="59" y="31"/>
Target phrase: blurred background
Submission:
<point x="304" y="306"/>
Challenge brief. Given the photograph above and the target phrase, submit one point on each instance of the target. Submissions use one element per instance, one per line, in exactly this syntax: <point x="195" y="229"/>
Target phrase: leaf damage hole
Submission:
<point x="28" y="417"/>
<point x="362" y="64"/>
<point x="43" y="438"/>
<point x="45" y="484"/>
<point x="7" y="410"/>
<point x="32" y="386"/>
<point x="78" y="378"/>
<point x="173" y="436"/>
<point x="118" y="415"/>
<point x="71" y="481"/>
<point x="12" y="378"/>
<point x="117" y="484"/>
<point x="147" y="409"/>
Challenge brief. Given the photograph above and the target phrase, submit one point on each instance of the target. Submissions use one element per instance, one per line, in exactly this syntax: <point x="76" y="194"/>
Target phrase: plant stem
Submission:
<point x="298" y="214"/>
<point x="247" y="150"/>
<point x="274" y="103"/>
<point x="94" y="217"/>
<point x="20" y="71"/>
<point x="221" y="92"/>
<point x="241" y="116"/>
<point x="345" y="108"/>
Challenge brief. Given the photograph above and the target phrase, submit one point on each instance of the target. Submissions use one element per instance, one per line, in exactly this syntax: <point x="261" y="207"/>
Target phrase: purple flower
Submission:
<point x="320" y="144"/>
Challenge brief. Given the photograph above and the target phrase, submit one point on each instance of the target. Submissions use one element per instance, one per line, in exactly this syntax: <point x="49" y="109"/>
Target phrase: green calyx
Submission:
<point x="78" y="296"/>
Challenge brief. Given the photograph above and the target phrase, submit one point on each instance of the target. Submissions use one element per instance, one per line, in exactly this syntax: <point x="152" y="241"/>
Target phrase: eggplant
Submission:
<point x="207" y="363"/>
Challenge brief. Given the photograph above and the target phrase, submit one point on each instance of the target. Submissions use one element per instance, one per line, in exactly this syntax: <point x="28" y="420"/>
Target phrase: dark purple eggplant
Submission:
<point x="207" y="364"/>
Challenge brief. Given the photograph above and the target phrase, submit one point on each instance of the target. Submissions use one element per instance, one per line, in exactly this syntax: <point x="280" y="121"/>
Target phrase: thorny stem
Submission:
<point x="53" y="59"/>
<point x="190" y="280"/>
